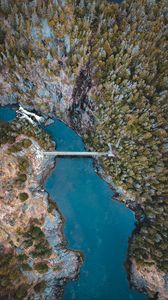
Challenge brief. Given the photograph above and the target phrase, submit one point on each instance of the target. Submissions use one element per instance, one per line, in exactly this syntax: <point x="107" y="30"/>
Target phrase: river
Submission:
<point x="94" y="223"/>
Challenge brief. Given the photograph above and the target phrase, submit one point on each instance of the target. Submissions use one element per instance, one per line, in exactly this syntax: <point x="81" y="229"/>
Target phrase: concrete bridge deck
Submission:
<point x="82" y="154"/>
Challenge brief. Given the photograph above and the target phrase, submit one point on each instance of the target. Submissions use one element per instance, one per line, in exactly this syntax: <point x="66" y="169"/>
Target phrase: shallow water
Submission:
<point x="94" y="223"/>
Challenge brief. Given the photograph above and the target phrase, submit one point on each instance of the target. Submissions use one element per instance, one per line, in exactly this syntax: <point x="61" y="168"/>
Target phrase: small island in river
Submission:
<point x="101" y="67"/>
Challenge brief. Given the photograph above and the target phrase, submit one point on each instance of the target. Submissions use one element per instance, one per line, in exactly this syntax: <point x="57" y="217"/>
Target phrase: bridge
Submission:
<point x="82" y="154"/>
<point x="23" y="113"/>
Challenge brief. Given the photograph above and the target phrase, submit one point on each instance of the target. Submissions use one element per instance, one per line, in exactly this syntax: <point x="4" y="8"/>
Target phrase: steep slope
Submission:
<point x="103" y="69"/>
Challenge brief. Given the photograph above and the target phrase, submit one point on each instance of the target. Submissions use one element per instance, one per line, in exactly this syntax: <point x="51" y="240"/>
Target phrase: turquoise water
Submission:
<point x="7" y="114"/>
<point x="94" y="223"/>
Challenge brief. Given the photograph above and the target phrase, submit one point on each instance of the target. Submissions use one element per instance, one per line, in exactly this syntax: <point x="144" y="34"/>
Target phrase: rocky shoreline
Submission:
<point x="120" y="195"/>
<point x="143" y="277"/>
<point x="101" y="68"/>
<point x="32" y="239"/>
<point x="137" y="280"/>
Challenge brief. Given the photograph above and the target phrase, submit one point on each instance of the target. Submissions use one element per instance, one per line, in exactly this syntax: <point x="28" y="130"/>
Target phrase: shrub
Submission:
<point x="22" y="291"/>
<point x="5" y="258"/>
<point x="2" y="36"/>
<point x="23" y="164"/>
<point x="26" y="267"/>
<point x="57" y="268"/>
<point x="36" y="232"/>
<point x="23" y="196"/>
<point x="22" y="257"/>
<point x="26" y="143"/>
<point x="16" y="147"/>
<point x="36" y="221"/>
<point x="41" y="267"/>
<point x="28" y="243"/>
<point x="20" y="145"/>
<point x="39" y="287"/>
<point x="51" y="206"/>
<point x="41" y="252"/>
<point x="21" y="178"/>
<point x="5" y="133"/>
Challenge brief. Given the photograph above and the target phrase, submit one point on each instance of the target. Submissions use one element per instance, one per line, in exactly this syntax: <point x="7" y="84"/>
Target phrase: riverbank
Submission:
<point x="33" y="243"/>
<point x="136" y="275"/>
<point x="94" y="224"/>
<point x="140" y="272"/>
<point x="140" y="266"/>
<point x="101" y="68"/>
